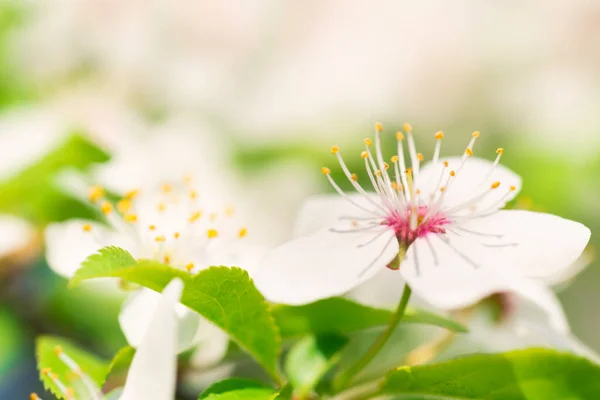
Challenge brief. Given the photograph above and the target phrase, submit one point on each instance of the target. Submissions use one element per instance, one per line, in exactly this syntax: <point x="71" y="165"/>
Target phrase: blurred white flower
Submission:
<point x="179" y="224"/>
<point x="440" y="225"/>
<point x="153" y="370"/>
<point x="15" y="234"/>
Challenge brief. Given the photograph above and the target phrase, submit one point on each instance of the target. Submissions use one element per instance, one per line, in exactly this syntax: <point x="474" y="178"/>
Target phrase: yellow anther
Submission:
<point x="195" y="216"/>
<point x="325" y="171"/>
<point x="177" y="235"/>
<point x="408" y="171"/>
<point x="364" y="155"/>
<point x="58" y="350"/>
<point x="399" y="136"/>
<point x="335" y="149"/>
<point x="513" y="188"/>
<point x="189" y="267"/>
<point x="70" y="392"/>
<point x="386" y="166"/>
<point x="469" y="152"/>
<point x="132" y="194"/>
<point x="420" y="156"/>
<point x="152" y="227"/>
<point x="87" y="227"/>
<point x="407" y="127"/>
<point x="193" y="194"/>
<point x="475" y="134"/>
<point x="46" y="371"/>
<point x="495" y="185"/>
<point x="124" y="205"/>
<point x="212" y="233"/>
<point x="368" y="142"/>
<point x="394" y="159"/>
<point x="453" y="173"/>
<point x="378" y="127"/>
<point x="106" y="208"/>
<point x="130" y="218"/>
<point x="443" y="189"/>
<point x="446" y="164"/>
<point x="96" y="193"/>
<point x="243" y="232"/>
<point x="229" y="211"/>
<point x="160" y="238"/>
<point x="166" y="188"/>
<point x="34" y="396"/>
<point x="418" y="191"/>
<point x="378" y="173"/>
<point x="394" y="185"/>
<point x="354" y="177"/>
<point x="161" y="207"/>
<point x="439" y="135"/>
<point x="500" y="151"/>
<point x="167" y="259"/>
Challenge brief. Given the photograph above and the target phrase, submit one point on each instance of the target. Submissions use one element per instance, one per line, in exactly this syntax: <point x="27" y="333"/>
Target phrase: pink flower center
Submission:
<point x="401" y="224"/>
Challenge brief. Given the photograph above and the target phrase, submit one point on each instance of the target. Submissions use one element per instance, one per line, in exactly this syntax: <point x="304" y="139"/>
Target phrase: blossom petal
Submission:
<point x="137" y="312"/>
<point x="324" y="264"/>
<point x="153" y="370"/>
<point x="212" y="344"/>
<point x="68" y="245"/>
<point x="453" y="273"/>
<point x="15" y="234"/>
<point x="471" y="180"/>
<point x="325" y="211"/>
<point x="546" y="245"/>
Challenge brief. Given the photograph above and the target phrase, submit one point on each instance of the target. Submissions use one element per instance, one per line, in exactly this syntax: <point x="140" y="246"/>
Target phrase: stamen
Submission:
<point x="106" y="208"/>
<point x="152" y="227"/>
<point x="412" y="150"/>
<point x="212" y="233"/>
<point x="132" y="194"/>
<point x="243" y="232"/>
<point x="87" y="227"/>
<point x="96" y="193"/>
<point x="189" y="267"/>
<point x="124" y="205"/>
<point x="161" y="207"/>
<point x="166" y="188"/>
<point x="177" y="235"/>
<point x="130" y="218"/>
<point x="160" y="239"/>
<point x="195" y="216"/>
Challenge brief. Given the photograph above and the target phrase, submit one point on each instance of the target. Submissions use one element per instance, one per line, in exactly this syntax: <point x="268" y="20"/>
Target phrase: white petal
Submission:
<point x="469" y="182"/>
<point x="153" y="370"/>
<point x="68" y="245"/>
<point x="211" y="343"/>
<point x="324" y="264"/>
<point x="137" y="312"/>
<point x="459" y="276"/>
<point x="547" y="245"/>
<point x="325" y="211"/>
<point x="15" y="234"/>
<point x="382" y="291"/>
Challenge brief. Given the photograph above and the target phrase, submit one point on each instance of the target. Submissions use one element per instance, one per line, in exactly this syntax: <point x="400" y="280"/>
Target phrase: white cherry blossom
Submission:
<point x="439" y="224"/>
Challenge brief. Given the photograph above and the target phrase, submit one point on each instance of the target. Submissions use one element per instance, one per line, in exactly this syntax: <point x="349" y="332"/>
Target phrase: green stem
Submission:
<point x="345" y="377"/>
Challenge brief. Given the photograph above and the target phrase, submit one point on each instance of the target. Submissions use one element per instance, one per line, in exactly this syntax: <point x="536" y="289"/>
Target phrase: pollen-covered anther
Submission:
<point x="58" y="350"/>
<point x="469" y="152"/>
<point x="420" y="156"/>
<point x="160" y="239"/>
<point x="446" y="164"/>
<point x="161" y="207"/>
<point x="167" y="259"/>
<point x="212" y="233"/>
<point x="193" y="194"/>
<point x="408" y="171"/>
<point x="124" y="205"/>
<point x="363" y="155"/>
<point x="34" y="396"/>
<point x="325" y="171"/>
<point x="96" y="193"/>
<point x="152" y="227"/>
<point x="407" y="127"/>
<point x="452" y="173"/>
<point x="399" y="136"/>
<point x="46" y="371"/>
<point x="132" y="194"/>
<point x="500" y="151"/>
<point x="87" y="227"/>
<point x="439" y="135"/>
<point x="495" y="185"/>
<point x="106" y="208"/>
<point x="130" y="218"/>
<point x="368" y="142"/>
<point x="386" y="166"/>
<point x="394" y="185"/>
<point x="166" y="188"/>
<point x="189" y="267"/>
<point x="177" y="235"/>
<point x="243" y="232"/>
<point x="335" y="149"/>
<point x="378" y="127"/>
<point x="513" y="188"/>
<point x="195" y="216"/>
<point x="394" y="159"/>
<point x="354" y="177"/>
<point x="443" y="189"/>
<point x="475" y="134"/>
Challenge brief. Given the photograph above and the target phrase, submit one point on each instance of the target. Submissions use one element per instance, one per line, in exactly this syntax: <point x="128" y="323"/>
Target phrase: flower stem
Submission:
<point x="345" y="377"/>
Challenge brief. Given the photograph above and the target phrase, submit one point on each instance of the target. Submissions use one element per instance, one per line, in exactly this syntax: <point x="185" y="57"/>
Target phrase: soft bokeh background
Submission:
<point x="270" y="86"/>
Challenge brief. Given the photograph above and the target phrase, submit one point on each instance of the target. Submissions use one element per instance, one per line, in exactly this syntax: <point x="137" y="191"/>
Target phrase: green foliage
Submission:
<point x="91" y="365"/>
<point x="534" y="374"/>
<point x="338" y="315"/>
<point x="310" y="359"/>
<point x="122" y="360"/>
<point x="225" y="296"/>
<point x="33" y="194"/>
<point x="11" y="341"/>
<point x="238" y="389"/>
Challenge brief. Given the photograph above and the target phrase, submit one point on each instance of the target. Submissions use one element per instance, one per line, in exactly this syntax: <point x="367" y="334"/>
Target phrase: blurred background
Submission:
<point x="267" y="87"/>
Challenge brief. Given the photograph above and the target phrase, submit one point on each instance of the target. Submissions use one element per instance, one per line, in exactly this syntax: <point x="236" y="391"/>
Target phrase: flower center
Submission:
<point x="426" y="224"/>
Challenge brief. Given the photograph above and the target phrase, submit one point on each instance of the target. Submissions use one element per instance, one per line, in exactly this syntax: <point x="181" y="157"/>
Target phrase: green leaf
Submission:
<point x="238" y="389"/>
<point x="534" y="374"/>
<point x="32" y="193"/>
<point x="92" y="366"/>
<point x="310" y="359"/>
<point x="225" y="296"/>
<point x="338" y="315"/>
